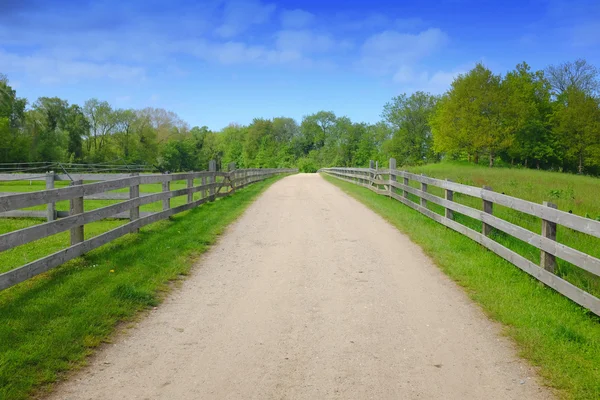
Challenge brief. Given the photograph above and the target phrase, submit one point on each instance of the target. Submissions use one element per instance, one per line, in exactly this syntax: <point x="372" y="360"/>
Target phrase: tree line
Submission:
<point x="546" y="119"/>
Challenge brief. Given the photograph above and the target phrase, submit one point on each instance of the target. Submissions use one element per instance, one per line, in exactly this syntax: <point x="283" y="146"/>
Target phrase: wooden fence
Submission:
<point x="213" y="186"/>
<point x="50" y="214"/>
<point x="395" y="184"/>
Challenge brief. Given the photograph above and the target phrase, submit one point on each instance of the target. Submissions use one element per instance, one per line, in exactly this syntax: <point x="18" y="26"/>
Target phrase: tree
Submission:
<point x="102" y="120"/>
<point x="284" y="129"/>
<point x="77" y="127"/>
<point x="409" y="116"/>
<point x="526" y="115"/>
<point x="233" y="145"/>
<point x="125" y="135"/>
<point x="46" y="121"/>
<point x="260" y="132"/>
<point x="578" y="74"/>
<point x="166" y="124"/>
<point x="178" y="155"/>
<point x="14" y="143"/>
<point x="468" y="119"/>
<point x="315" y="128"/>
<point x="577" y="124"/>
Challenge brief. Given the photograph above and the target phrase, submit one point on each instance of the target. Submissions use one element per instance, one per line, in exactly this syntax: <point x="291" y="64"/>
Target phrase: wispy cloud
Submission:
<point x="307" y="41"/>
<point x="123" y="42"/>
<point x="238" y="16"/>
<point x="55" y="70"/>
<point x="390" y="50"/>
<point x="295" y="19"/>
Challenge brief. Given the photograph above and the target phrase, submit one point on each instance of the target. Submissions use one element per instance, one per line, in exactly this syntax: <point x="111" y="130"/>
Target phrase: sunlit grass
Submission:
<point x="574" y="193"/>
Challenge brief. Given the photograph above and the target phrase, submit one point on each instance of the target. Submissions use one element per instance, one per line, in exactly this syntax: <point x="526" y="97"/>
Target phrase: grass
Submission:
<point x="33" y="186"/>
<point x="52" y="322"/>
<point x="574" y="193"/>
<point x="552" y="332"/>
<point x="23" y="254"/>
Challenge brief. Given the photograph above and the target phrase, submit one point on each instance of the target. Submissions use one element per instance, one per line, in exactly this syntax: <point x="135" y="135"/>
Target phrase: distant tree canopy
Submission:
<point x="539" y="119"/>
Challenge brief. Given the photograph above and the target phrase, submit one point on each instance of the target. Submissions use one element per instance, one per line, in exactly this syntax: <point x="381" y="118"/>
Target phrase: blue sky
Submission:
<point x="217" y="62"/>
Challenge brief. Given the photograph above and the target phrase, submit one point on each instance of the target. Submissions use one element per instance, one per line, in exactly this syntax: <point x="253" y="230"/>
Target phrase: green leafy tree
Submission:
<point x="408" y="116"/>
<point x="526" y="116"/>
<point x="77" y="126"/>
<point x="103" y="121"/>
<point x="577" y="125"/>
<point x="469" y="117"/>
<point x="258" y="136"/>
<point x="47" y="120"/>
<point x="14" y="142"/>
<point x="315" y="129"/>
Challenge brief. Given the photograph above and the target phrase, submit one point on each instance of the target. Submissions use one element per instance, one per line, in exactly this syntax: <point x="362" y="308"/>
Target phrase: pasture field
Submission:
<point x="575" y="193"/>
<point x="23" y="254"/>
<point x="52" y="322"/>
<point x="553" y="333"/>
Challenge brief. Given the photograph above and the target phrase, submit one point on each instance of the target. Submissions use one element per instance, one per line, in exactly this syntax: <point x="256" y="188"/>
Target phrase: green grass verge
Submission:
<point x="570" y="192"/>
<point x="49" y="324"/>
<point x="552" y="332"/>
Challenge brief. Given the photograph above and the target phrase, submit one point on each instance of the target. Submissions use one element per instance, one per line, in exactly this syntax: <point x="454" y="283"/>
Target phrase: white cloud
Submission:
<point x="54" y="70"/>
<point x="436" y="83"/>
<point x="296" y="18"/>
<point x="304" y="41"/>
<point x="405" y="74"/>
<point x="389" y="50"/>
<point x="238" y="16"/>
<point x="232" y="52"/>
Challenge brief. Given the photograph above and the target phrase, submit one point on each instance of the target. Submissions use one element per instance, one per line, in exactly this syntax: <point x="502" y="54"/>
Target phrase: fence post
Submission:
<point x="166" y="187"/>
<point x="423" y="201"/>
<point x="547" y="260"/>
<point x="190" y="185"/>
<point x="51" y="207"/>
<point x="450" y="197"/>
<point x="76" y="207"/>
<point x="488" y="207"/>
<point x="231" y="170"/>
<point x="392" y="177"/>
<point x="404" y="192"/>
<point x="203" y="182"/>
<point x="134" y="192"/>
<point x="212" y="167"/>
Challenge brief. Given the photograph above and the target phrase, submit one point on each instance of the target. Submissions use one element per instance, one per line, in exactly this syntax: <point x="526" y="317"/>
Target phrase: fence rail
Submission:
<point x="213" y="185"/>
<point x="397" y="186"/>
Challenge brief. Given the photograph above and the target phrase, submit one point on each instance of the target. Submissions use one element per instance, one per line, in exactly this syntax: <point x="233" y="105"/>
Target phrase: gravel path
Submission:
<point x="310" y="295"/>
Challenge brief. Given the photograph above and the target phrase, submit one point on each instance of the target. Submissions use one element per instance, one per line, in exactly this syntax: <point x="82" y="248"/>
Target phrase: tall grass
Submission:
<point x="572" y="193"/>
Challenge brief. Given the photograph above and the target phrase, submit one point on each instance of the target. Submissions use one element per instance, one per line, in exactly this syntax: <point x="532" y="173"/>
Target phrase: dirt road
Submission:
<point x="310" y="295"/>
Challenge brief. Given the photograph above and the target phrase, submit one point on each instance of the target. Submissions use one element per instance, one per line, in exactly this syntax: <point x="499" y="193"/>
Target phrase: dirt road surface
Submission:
<point x="310" y="295"/>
